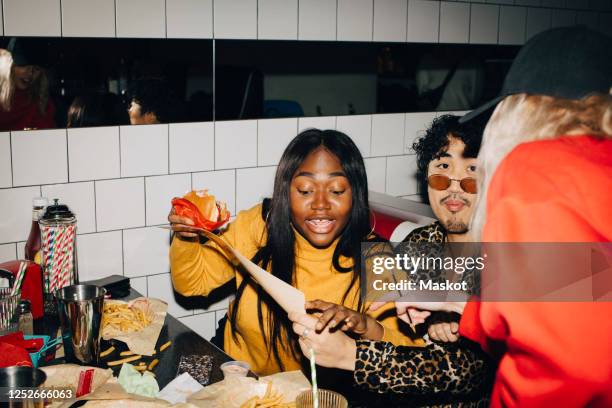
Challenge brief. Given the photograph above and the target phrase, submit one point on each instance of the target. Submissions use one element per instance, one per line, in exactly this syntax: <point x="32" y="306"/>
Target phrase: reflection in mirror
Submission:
<point x="76" y="82"/>
<point x="265" y="79"/>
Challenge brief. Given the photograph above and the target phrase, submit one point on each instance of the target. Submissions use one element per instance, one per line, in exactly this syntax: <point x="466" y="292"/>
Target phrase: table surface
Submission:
<point x="184" y="342"/>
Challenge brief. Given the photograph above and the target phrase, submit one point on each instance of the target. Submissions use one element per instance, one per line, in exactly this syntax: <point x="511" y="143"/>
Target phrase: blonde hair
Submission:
<point x="6" y="83"/>
<point x="523" y="118"/>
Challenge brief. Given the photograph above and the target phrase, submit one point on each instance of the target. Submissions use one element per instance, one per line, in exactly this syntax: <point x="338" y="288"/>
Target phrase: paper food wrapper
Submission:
<point x="143" y="341"/>
<point x="67" y="376"/>
<point x="234" y="391"/>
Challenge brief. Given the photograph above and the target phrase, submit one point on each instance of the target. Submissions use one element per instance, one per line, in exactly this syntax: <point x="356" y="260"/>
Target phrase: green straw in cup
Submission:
<point x="313" y="376"/>
<point x="19" y="278"/>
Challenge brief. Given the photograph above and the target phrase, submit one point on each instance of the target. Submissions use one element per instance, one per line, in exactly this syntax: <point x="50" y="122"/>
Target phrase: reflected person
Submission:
<point x="149" y="102"/>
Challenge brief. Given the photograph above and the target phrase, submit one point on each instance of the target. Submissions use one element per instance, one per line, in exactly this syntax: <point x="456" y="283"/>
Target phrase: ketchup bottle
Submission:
<point x="32" y="246"/>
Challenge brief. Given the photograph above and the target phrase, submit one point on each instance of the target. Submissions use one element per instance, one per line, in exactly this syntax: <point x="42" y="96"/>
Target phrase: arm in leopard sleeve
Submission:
<point x="456" y="368"/>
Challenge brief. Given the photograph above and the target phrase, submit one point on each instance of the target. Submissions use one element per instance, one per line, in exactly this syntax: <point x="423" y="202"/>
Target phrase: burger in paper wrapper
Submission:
<point x="202" y="208"/>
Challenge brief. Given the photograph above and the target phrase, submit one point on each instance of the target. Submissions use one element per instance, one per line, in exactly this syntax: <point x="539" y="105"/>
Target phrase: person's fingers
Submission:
<point x="295" y="316"/>
<point x="405" y="318"/>
<point x="307" y="321"/>
<point x="328" y="317"/>
<point x="454" y="327"/>
<point x="376" y="305"/>
<point x="305" y="346"/>
<point x="298" y="328"/>
<point x="440" y="329"/>
<point x="318" y="304"/>
<point x="418" y="315"/>
<point x="177" y="219"/>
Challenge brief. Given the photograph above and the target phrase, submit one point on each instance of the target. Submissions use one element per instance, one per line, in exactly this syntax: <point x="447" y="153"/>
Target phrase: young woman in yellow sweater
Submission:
<point x="308" y="234"/>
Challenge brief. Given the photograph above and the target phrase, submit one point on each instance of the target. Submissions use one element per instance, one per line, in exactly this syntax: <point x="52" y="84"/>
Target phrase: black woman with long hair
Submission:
<point x="308" y="234"/>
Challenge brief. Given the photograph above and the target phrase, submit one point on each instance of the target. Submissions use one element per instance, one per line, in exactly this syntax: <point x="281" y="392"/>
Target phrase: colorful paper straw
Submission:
<point x="313" y="377"/>
<point x="19" y="278"/>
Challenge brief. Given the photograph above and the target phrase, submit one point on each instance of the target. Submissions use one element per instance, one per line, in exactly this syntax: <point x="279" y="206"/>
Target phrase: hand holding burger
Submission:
<point x="197" y="210"/>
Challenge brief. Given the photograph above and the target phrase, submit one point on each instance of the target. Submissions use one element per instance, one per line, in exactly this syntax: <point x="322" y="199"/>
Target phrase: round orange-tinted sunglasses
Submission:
<point x="442" y="182"/>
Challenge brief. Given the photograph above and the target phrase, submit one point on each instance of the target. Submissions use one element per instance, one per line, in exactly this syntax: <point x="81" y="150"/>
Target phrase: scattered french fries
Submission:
<point x="165" y="345"/>
<point x="126" y="353"/>
<point x="153" y="364"/>
<point x="124" y="360"/>
<point x="107" y="351"/>
<point x="124" y="318"/>
<point x="271" y="399"/>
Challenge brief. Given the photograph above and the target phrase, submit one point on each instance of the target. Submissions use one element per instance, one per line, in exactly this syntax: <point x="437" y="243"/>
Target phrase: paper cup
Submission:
<point x="327" y="399"/>
<point x="235" y="369"/>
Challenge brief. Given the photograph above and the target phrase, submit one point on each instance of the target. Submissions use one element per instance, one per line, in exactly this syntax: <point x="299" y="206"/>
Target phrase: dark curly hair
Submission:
<point x="435" y="142"/>
<point x="153" y="95"/>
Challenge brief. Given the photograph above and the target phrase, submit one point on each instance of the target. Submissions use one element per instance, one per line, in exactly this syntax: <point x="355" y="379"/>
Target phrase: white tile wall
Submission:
<point x="317" y="20"/>
<point x="204" y="324"/>
<point x="376" y="169"/>
<point x="93" y="153"/>
<point x="512" y="25"/>
<point x="235" y="144"/>
<point x="235" y="19"/>
<point x="273" y="136"/>
<point x="319" y="122"/>
<point x="192" y="147"/>
<point x="39" y="157"/>
<point x="388" y="134"/>
<point x="401" y="171"/>
<point x="390" y="20"/>
<point x="141" y="18"/>
<point x="189" y="18"/>
<point x="355" y="20"/>
<point x="160" y="287"/>
<point x="159" y="192"/>
<point x="88" y="18"/>
<point x="6" y="174"/>
<point x="253" y="185"/>
<point x="100" y="255"/>
<point x="80" y="197"/>
<point x="1" y="19"/>
<point x="16" y="207"/>
<point x="32" y="17"/>
<point x="120" y="204"/>
<point x="277" y="19"/>
<point x="136" y="161"/>
<point x="8" y="252"/>
<point x="484" y="24"/>
<point x="145" y="251"/>
<point x="454" y="22"/>
<point x="358" y="128"/>
<point x="416" y="125"/>
<point x="538" y="20"/>
<point x="139" y="284"/>
<point x="222" y="184"/>
<point x="423" y="21"/>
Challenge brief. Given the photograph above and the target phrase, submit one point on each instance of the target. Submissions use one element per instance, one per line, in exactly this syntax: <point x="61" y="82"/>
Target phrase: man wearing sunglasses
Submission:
<point x="446" y="161"/>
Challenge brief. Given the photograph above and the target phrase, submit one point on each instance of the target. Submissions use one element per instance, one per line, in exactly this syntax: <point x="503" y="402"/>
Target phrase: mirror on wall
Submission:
<point x="266" y="79"/>
<point x="81" y="82"/>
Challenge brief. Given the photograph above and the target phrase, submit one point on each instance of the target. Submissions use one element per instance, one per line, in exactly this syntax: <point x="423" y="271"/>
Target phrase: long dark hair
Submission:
<point x="279" y="249"/>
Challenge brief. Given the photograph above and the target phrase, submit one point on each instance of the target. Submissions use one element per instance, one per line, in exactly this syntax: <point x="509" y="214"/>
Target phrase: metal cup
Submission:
<point x="80" y="309"/>
<point x="18" y="378"/>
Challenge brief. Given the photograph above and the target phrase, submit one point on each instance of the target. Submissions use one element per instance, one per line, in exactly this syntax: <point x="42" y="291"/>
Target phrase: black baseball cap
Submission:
<point x="567" y="62"/>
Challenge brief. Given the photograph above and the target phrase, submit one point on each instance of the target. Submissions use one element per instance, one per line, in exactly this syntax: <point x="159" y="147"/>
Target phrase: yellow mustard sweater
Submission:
<point x="198" y="269"/>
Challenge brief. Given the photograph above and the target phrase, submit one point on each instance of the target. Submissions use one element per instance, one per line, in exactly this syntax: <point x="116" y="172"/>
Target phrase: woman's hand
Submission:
<point x="447" y="332"/>
<point x="182" y="226"/>
<point x="332" y="349"/>
<point x="338" y="317"/>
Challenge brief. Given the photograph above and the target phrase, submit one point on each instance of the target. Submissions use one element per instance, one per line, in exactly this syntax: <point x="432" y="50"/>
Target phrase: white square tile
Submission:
<point x="16" y="210"/>
<point x="203" y="324"/>
<point x="219" y="314"/>
<point x="359" y="129"/>
<point x="100" y="255"/>
<point x="6" y="173"/>
<point x="401" y="175"/>
<point x="376" y="169"/>
<point x="538" y="20"/>
<point x="390" y="19"/>
<point x="39" y="157"/>
<point x="277" y="19"/>
<point x="139" y="284"/>
<point x="588" y="18"/>
<point x="253" y="185"/>
<point x="1" y="19"/>
<point x="21" y="250"/>
<point x="416" y="125"/>
<point x="317" y="122"/>
<point x="512" y="22"/>
<point x="189" y="18"/>
<point x="563" y="18"/>
<point x="160" y="191"/>
<point x="235" y="19"/>
<point x="388" y="134"/>
<point x="88" y="18"/>
<point x="141" y="18"/>
<point x="221" y="183"/>
<point x="317" y="20"/>
<point x="160" y="287"/>
<point x="93" y="153"/>
<point x="273" y="136"/>
<point x="454" y="22"/>
<point x="145" y="251"/>
<point x="144" y="150"/>
<point x="32" y="18"/>
<point x="80" y="197"/>
<point x="192" y="147"/>
<point x="235" y="144"/>
<point x="423" y="21"/>
<point x="355" y="20"/>
<point x="222" y="304"/>
<point x="120" y="204"/>
<point x="484" y="19"/>
<point x="8" y="252"/>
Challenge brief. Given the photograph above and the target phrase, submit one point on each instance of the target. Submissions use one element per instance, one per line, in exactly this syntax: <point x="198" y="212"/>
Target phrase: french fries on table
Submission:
<point x="124" y="318"/>
<point x="271" y="399"/>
